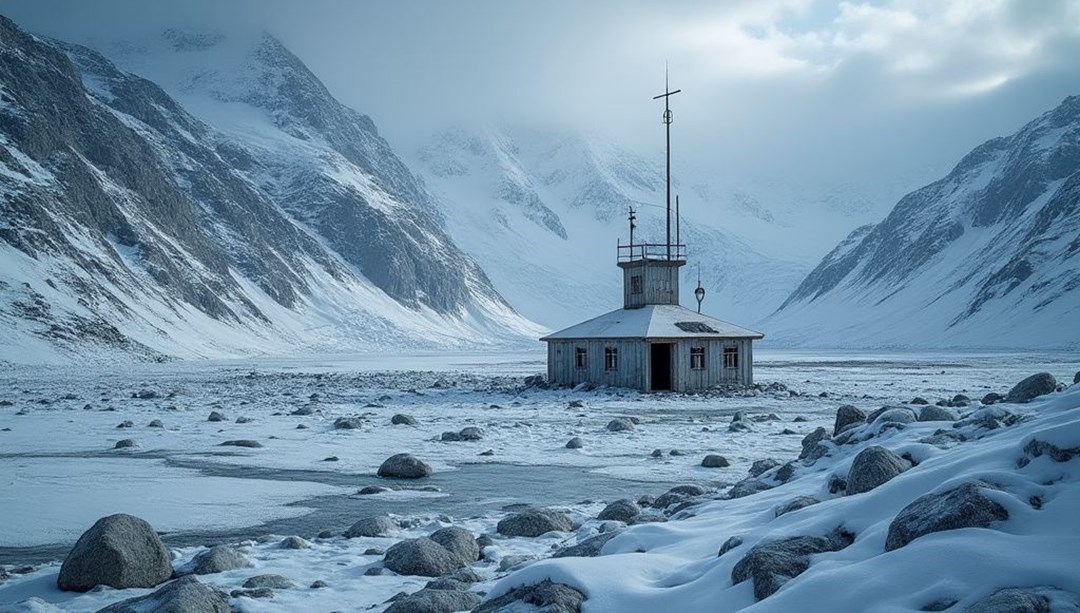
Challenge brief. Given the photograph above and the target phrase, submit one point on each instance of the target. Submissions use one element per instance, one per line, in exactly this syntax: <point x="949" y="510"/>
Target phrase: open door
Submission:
<point x="659" y="367"/>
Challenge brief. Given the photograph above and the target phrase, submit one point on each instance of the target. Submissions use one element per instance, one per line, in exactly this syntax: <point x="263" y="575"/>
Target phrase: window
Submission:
<point x="635" y="284"/>
<point x="697" y="358"/>
<point x="579" y="357"/>
<point x="611" y="358"/>
<point x="695" y="327"/>
<point x="731" y="357"/>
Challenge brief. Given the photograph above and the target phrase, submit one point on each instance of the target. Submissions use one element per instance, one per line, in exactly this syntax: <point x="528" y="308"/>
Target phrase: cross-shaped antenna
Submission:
<point x="667" y="125"/>
<point x="633" y="225"/>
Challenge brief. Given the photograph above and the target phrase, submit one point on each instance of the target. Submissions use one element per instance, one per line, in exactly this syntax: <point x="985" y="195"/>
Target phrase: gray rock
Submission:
<point x="989" y="418"/>
<point x="589" y="548"/>
<point x="380" y="525"/>
<point x="760" y="467"/>
<point x="156" y="423"/>
<point x="403" y="420"/>
<point x="250" y="444"/>
<point x="962" y="507"/>
<point x="546" y="596"/>
<point x="185" y="595"/>
<point x="620" y="424"/>
<point x="715" y="461"/>
<point x="895" y="415"/>
<point x="447" y="583"/>
<point x="484" y="541"/>
<point x="575" y="443"/>
<point x="873" y="467"/>
<point x="423" y="557"/>
<point x="471" y="433"/>
<point x="1034" y="386"/>
<point x="514" y="562"/>
<point x="368" y="490"/>
<point x="846" y="416"/>
<point x="318" y="584"/>
<point x="919" y="400"/>
<point x="811" y="444"/>
<point x="255" y="592"/>
<point x="218" y="559"/>
<point x="120" y="551"/>
<point x="992" y="398"/>
<point x="430" y="600"/>
<point x="740" y="426"/>
<point x="771" y="565"/>
<point x="303" y="412"/>
<point x="127" y="423"/>
<point x="730" y="544"/>
<point x="534" y="522"/>
<point x="459" y="542"/>
<point x="404" y="466"/>
<point x="276" y="582"/>
<point x="657" y="453"/>
<point x="786" y="472"/>
<point x="450" y="437"/>
<point x="294" y="542"/>
<point x="748" y="487"/>
<point x="1011" y="600"/>
<point x="125" y="443"/>
<point x="800" y="502"/>
<point x="623" y="510"/>
<point x="1076" y="377"/>
<point x="244" y="420"/>
<point x="348" y="423"/>
<point x="215" y="416"/>
<point x="932" y="412"/>
<point x="1036" y="448"/>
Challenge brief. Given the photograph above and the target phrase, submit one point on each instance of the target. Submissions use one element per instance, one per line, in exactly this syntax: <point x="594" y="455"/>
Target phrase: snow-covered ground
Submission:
<point x="60" y="472"/>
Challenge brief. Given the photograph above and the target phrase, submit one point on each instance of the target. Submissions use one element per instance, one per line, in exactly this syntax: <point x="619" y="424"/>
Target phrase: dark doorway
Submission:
<point x="660" y="367"/>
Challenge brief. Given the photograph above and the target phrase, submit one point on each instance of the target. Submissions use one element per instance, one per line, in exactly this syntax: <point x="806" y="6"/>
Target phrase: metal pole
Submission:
<point x="667" y="123"/>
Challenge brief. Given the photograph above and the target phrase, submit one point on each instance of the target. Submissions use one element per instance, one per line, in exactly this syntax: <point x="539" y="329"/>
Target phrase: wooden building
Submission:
<point x="652" y="343"/>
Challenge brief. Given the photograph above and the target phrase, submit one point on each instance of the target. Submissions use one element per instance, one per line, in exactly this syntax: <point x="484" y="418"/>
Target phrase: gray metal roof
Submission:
<point x="653" y="321"/>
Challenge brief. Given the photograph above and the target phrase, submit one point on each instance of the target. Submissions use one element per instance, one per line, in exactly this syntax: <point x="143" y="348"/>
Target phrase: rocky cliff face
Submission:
<point x="987" y="256"/>
<point x="129" y="223"/>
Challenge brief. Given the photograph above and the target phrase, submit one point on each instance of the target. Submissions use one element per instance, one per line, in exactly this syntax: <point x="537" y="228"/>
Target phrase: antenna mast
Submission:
<point x="667" y="124"/>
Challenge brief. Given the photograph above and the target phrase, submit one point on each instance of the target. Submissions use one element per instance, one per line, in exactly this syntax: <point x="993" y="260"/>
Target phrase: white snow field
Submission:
<point x="60" y="473"/>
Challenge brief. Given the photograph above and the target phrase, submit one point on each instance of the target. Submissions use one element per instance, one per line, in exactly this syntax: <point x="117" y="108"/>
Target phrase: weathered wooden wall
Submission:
<point x="659" y="283"/>
<point x="634" y="364"/>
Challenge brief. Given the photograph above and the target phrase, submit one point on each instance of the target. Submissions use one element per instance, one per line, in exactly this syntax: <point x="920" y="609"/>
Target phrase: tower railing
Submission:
<point x="652" y="252"/>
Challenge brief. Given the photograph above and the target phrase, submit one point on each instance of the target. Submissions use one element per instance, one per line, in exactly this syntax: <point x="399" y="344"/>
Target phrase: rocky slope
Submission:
<point x="129" y="224"/>
<point x="985" y="257"/>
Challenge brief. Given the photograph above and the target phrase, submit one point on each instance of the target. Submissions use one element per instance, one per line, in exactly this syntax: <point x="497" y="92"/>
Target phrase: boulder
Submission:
<point x="623" y="510"/>
<point x="243" y="443"/>
<point x="368" y="490"/>
<point x="534" y="522"/>
<point x="404" y="466"/>
<point x="657" y="453"/>
<point x="589" y="548"/>
<point x="847" y="416"/>
<point x="575" y="443"/>
<point x="125" y="443"/>
<point x="403" y="420"/>
<point x="544" y="596"/>
<point x="811" y="447"/>
<point x="471" y="433"/>
<point x="423" y="557"/>
<point x="770" y="565"/>
<point x="348" y="423"/>
<point x="255" y="592"/>
<point x="156" y="423"/>
<point x="715" y="461"/>
<point x="989" y="418"/>
<point x="620" y="424"/>
<point x="992" y="397"/>
<point x="450" y="437"/>
<point x="961" y="507"/>
<point x="459" y="542"/>
<point x="430" y="600"/>
<point x="215" y="416"/>
<point x="895" y="415"/>
<point x="873" y="467"/>
<point x="760" y="467"/>
<point x="730" y="544"/>
<point x="218" y="559"/>
<point x="932" y="412"/>
<point x="276" y="582"/>
<point x="294" y="542"/>
<point x="244" y="420"/>
<point x="379" y="525"/>
<point x="748" y="487"/>
<point x="800" y="502"/>
<point x="303" y="411"/>
<point x="120" y="551"/>
<point x="1076" y="377"/>
<point x="185" y="595"/>
<point x="1034" y="386"/>
<point x="1039" y="599"/>
<point x="919" y="400"/>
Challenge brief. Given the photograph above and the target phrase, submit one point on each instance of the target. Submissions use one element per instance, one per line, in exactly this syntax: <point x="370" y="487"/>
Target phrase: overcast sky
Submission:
<point x="800" y="91"/>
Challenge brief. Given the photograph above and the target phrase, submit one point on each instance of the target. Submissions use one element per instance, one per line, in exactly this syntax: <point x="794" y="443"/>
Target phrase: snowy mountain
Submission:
<point x="988" y="256"/>
<point x="284" y="222"/>
<point x="542" y="212"/>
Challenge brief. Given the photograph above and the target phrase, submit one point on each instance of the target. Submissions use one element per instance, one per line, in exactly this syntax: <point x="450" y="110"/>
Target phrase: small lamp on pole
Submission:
<point x="699" y="293"/>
